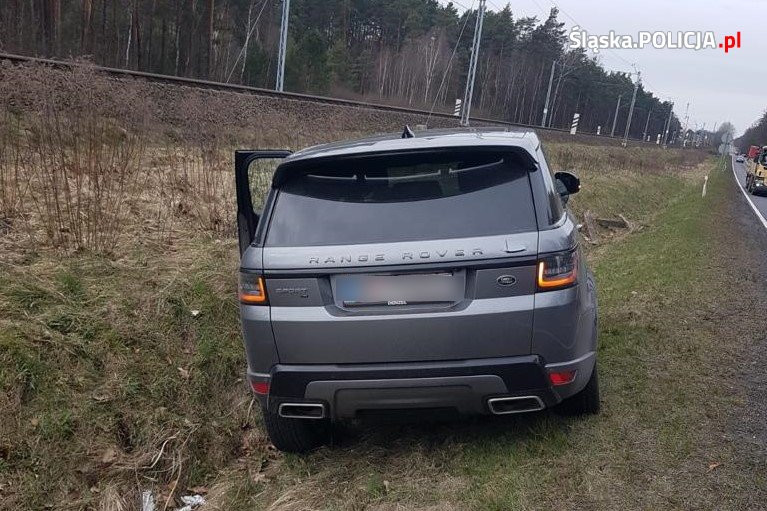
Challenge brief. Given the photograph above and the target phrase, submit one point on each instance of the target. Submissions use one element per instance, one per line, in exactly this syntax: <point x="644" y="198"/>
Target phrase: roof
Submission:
<point x="424" y="140"/>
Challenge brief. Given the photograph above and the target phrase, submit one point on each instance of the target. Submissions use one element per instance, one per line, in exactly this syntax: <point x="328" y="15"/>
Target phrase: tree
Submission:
<point x="412" y="52"/>
<point x="756" y="134"/>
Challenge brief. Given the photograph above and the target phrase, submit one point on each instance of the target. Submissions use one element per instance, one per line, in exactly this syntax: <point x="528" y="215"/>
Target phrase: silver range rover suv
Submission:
<point x="436" y="271"/>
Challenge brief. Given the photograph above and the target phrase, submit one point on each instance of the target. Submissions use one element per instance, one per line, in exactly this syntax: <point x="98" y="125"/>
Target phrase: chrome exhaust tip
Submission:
<point x="301" y="410"/>
<point x="516" y="404"/>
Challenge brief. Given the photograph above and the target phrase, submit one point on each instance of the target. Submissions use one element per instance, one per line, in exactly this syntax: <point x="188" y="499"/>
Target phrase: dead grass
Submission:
<point x="85" y="160"/>
<point x="109" y="378"/>
<point x="654" y="446"/>
<point x="112" y="382"/>
<point x="66" y="165"/>
<point x="634" y="182"/>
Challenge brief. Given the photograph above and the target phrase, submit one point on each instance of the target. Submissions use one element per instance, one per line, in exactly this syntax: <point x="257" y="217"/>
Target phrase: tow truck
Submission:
<point x="756" y="170"/>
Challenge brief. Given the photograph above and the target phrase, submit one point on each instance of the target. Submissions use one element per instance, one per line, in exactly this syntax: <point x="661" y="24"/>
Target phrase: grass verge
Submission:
<point x="122" y="374"/>
<point x="657" y="445"/>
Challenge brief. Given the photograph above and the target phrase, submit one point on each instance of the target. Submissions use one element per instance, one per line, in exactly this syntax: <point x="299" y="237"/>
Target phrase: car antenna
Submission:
<point x="407" y="132"/>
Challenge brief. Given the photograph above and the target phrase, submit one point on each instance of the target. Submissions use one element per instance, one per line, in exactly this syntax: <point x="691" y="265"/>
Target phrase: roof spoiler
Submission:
<point x="304" y="166"/>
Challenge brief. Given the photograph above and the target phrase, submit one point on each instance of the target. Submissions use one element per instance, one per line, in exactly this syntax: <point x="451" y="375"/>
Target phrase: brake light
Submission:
<point x="557" y="271"/>
<point x="562" y="377"/>
<point x="260" y="387"/>
<point x="252" y="289"/>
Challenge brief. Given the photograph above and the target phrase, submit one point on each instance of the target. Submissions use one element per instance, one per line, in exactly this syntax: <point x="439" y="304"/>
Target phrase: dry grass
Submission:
<point x="653" y="447"/>
<point x="67" y="166"/>
<point x="83" y="165"/>
<point x="84" y="159"/>
<point x="633" y="182"/>
<point x="116" y="223"/>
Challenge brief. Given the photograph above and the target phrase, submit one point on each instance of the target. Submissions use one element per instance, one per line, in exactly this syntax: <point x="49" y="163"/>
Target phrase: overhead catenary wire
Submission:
<point x="459" y="4"/>
<point x="496" y="6"/>
<point x="540" y="8"/>
<point x="247" y="40"/>
<point x="582" y="26"/>
<point x="449" y="63"/>
<point x="609" y="50"/>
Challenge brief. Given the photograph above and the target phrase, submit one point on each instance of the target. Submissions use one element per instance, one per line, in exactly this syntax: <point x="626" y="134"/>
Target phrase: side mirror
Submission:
<point x="567" y="184"/>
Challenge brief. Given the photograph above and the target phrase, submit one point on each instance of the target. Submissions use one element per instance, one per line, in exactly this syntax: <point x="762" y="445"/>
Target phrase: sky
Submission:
<point x="719" y="87"/>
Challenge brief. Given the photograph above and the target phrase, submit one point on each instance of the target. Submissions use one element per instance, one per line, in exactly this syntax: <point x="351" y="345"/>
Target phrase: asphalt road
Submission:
<point x="758" y="201"/>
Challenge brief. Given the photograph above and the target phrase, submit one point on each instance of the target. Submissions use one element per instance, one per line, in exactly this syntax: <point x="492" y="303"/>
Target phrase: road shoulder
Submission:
<point x="742" y="262"/>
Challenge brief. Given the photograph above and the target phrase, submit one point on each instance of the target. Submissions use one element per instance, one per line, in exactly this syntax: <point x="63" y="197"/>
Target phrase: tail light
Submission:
<point x="260" y="387"/>
<point x="557" y="271"/>
<point x="252" y="289"/>
<point x="562" y="377"/>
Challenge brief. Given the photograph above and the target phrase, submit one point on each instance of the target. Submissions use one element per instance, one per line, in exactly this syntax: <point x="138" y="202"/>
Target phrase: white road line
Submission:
<point x="753" y="206"/>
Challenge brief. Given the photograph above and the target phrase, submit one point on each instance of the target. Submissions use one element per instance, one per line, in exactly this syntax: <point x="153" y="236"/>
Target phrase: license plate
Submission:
<point x="393" y="290"/>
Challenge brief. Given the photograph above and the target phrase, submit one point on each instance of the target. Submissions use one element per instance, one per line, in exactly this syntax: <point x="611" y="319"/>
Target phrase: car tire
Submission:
<point x="585" y="402"/>
<point x="296" y="435"/>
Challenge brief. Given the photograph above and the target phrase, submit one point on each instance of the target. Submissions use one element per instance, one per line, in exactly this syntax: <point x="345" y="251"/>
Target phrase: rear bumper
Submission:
<point x="465" y="386"/>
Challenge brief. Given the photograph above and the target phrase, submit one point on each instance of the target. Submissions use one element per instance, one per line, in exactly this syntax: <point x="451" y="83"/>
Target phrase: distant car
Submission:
<point x="439" y="271"/>
<point x="740" y="158"/>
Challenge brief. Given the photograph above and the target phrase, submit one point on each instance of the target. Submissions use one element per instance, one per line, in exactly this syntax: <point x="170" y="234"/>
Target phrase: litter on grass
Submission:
<point x="191" y="502"/>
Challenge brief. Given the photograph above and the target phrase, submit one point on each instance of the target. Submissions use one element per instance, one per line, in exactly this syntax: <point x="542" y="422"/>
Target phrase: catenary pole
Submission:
<point x="548" y="94"/>
<point x="615" y="118"/>
<point x="631" y="109"/>
<point x="646" y="124"/>
<point x="668" y="125"/>
<point x="283" y="45"/>
<point x="466" y="111"/>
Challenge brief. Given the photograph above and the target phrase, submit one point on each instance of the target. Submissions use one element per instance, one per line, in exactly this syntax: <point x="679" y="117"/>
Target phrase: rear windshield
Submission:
<point x="405" y="198"/>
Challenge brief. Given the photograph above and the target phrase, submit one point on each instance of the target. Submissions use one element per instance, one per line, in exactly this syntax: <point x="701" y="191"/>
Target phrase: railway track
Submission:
<point x="229" y="87"/>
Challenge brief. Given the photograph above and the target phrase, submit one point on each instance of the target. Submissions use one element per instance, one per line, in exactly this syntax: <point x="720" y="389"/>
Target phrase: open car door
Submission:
<point x="247" y="218"/>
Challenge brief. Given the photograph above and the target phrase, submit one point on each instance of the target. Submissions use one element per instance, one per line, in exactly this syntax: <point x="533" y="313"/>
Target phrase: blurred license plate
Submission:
<point x="367" y="290"/>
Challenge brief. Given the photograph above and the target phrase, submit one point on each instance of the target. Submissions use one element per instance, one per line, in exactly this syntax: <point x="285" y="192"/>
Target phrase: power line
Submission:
<point x="508" y="4"/>
<point x="540" y="8"/>
<point x="459" y="4"/>
<point x="247" y="40"/>
<point x="563" y="12"/>
<point x="612" y="52"/>
<point x="493" y="4"/>
<point x="449" y="62"/>
<point x="581" y="25"/>
<point x="515" y="10"/>
<point x="608" y="50"/>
